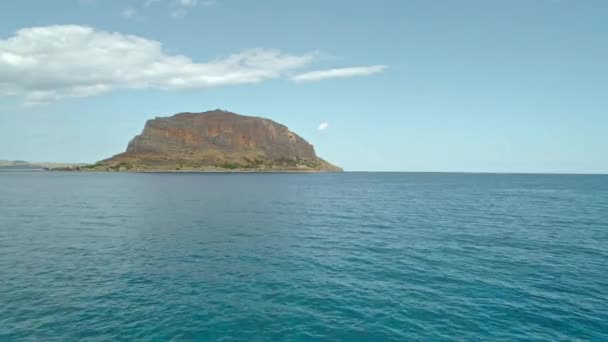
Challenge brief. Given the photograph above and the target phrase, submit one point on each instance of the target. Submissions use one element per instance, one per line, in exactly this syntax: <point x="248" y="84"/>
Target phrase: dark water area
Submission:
<point x="301" y="257"/>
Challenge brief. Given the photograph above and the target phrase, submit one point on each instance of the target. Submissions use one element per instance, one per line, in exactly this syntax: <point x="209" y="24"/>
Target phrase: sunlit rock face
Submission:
<point x="217" y="140"/>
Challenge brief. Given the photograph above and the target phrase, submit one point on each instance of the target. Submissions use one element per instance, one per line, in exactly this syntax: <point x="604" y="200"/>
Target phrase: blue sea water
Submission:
<point x="303" y="257"/>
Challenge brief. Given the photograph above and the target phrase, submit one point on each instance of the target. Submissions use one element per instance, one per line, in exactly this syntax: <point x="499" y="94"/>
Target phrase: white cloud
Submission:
<point x="319" y="75"/>
<point x="128" y="13"/>
<point x="323" y="126"/>
<point x="182" y="7"/>
<point x="186" y="3"/>
<point x="48" y="63"/>
<point x="149" y="3"/>
<point x="179" y="13"/>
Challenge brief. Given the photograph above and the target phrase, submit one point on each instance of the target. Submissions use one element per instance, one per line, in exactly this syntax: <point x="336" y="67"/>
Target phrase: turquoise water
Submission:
<point x="301" y="257"/>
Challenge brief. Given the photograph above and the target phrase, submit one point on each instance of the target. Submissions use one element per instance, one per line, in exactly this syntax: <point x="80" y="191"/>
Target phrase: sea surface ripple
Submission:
<point x="301" y="257"/>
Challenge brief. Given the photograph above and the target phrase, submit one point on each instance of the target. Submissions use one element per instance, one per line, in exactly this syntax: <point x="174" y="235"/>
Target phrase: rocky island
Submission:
<point x="216" y="140"/>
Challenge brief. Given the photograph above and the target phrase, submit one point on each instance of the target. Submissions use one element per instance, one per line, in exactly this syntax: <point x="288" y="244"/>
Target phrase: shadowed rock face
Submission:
<point x="217" y="140"/>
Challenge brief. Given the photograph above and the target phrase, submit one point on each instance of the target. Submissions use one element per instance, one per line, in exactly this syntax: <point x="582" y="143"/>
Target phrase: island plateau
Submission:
<point x="216" y="140"/>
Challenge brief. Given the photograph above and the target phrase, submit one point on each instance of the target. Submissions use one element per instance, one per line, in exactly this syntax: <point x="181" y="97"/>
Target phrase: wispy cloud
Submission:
<point x="87" y="2"/>
<point x="179" y="13"/>
<point x="323" y="126"/>
<point x="319" y="75"/>
<point x="37" y="66"/>
<point x="129" y="13"/>
<point x="186" y="3"/>
<point x="149" y="3"/>
<point x="182" y="7"/>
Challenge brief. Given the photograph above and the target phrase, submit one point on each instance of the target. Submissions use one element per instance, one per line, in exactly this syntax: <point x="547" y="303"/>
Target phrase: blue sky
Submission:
<point x="494" y="86"/>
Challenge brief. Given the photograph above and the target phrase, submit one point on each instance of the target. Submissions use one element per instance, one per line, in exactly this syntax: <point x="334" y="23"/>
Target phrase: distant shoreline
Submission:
<point x="195" y="171"/>
<point x="310" y="171"/>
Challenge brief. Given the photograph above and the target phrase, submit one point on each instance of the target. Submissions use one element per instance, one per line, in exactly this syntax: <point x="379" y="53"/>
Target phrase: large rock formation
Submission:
<point x="216" y="141"/>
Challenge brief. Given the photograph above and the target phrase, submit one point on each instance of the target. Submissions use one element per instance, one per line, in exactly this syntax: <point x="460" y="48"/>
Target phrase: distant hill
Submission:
<point x="12" y="162"/>
<point x="20" y="165"/>
<point x="216" y="141"/>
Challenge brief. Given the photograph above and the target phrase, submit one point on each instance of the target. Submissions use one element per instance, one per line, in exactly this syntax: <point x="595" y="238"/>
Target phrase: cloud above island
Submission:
<point x="319" y="75"/>
<point x="45" y="64"/>
<point x="323" y="126"/>
<point x="48" y="63"/>
<point x="180" y="8"/>
<point x="129" y="13"/>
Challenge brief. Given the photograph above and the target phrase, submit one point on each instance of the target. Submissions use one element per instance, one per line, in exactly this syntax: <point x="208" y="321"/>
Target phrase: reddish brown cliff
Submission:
<point x="217" y="140"/>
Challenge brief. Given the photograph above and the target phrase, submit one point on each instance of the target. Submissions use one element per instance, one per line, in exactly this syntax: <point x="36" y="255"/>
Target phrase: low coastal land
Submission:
<point x="212" y="141"/>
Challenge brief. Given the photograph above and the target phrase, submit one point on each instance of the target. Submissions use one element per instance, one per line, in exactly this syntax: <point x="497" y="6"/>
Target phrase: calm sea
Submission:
<point x="303" y="257"/>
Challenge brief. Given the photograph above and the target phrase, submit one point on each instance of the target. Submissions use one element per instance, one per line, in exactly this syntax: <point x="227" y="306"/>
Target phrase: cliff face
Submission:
<point x="217" y="140"/>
